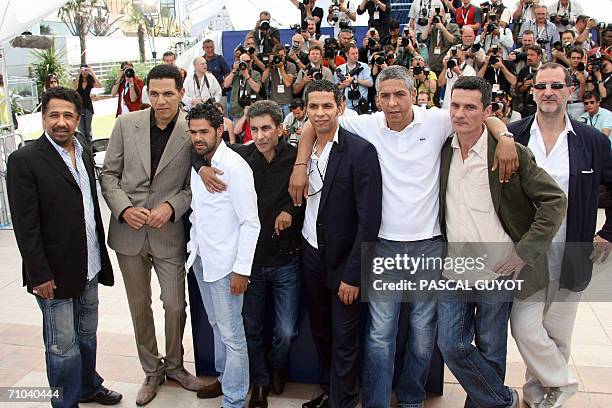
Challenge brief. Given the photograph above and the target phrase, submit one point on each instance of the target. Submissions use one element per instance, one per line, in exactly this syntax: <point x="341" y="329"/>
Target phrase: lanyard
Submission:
<point x="465" y="16"/>
<point x="496" y="73"/>
<point x="542" y="31"/>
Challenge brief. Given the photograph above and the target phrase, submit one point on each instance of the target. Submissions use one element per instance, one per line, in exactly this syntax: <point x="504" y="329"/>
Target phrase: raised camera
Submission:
<point x="242" y="66"/>
<point x="417" y="70"/>
<point x="493" y="60"/>
<point x="372" y="43"/>
<point x="264" y="25"/>
<point x="277" y="59"/>
<point x="380" y="60"/>
<point x="129" y="73"/>
<point x="452" y="63"/>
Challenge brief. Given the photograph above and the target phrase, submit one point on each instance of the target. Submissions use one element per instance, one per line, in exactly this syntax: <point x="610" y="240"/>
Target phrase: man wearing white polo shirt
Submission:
<point x="408" y="141"/>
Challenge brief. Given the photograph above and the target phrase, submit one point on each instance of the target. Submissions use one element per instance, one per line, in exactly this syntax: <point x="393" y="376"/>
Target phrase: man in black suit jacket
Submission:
<point x="579" y="158"/>
<point x="343" y="211"/>
<point x="59" y="231"/>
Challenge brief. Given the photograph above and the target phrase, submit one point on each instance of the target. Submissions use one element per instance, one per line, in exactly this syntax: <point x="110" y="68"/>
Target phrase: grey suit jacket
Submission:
<point x="126" y="181"/>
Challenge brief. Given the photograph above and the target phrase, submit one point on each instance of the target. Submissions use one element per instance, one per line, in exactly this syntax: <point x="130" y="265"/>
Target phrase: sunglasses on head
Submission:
<point x="555" y="85"/>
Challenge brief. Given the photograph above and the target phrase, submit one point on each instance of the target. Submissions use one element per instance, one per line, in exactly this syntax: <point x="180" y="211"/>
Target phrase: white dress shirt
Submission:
<point x="556" y="163"/>
<point x="410" y="167"/>
<point x="317" y="166"/>
<point x="224" y="226"/>
<point x="203" y="92"/>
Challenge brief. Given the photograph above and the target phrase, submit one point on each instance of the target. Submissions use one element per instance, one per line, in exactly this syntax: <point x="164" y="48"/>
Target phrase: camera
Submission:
<point x="329" y="52"/>
<point x="452" y="63"/>
<point x="485" y="7"/>
<point x="380" y="59"/>
<point x="340" y="75"/>
<point x="475" y="47"/>
<point x="595" y="63"/>
<point x="581" y="67"/>
<point x="372" y="43"/>
<point x="520" y="56"/>
<point x="491" y="27"/>
<point x="435" y="19"/>
<point x="557" y="19"/>
<point x="295" y="27"/>
<point x="497" y="106"/>
<point x="315" y="73"/>
<point x="353" y="93"/>
<point x="242" y="66"/>
<point x="129" y="73"/>
<point x="422" y="21"/>
<point x="305" y="2"/>
<point x="264" y="25"/>
<point x="542" y="42"/>
<point x="250" y="51"/>
<point x="493" y="60"/>
<point x="277" y="59"/>
<point x="417" y="70"/>
<point x="557" y="46"/>
<point x="246" y="100"/>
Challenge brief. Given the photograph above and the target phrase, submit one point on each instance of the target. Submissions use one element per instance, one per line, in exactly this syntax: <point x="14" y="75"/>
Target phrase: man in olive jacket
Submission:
<point x="509" y="225"/>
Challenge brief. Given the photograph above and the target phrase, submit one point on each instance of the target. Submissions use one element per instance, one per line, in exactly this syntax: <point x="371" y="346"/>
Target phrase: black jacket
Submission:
<point x="350" y="209"/>
<point x="590" y="165"/>
<point x="47" y="211"/>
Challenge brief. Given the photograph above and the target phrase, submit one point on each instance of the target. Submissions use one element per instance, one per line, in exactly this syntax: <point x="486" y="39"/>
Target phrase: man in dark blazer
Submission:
<point x="579" y="159"/>
<point x="59" y="231"/>
<point x="343" y="211"/>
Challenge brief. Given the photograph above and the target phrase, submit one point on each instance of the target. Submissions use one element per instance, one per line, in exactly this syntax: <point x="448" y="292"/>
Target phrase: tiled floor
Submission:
<point x="22" y="360"/>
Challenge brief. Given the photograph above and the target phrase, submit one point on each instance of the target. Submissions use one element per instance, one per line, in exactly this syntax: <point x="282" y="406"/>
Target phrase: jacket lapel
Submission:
<point x="53" y="158"/>
<point x="332" y="167"/>
<point x="575" y="151"/>
<point x="142" y="139"/>
<point x="494" y="184"/>
<point x="446" y="157"/>
<point x="176" y="143"/>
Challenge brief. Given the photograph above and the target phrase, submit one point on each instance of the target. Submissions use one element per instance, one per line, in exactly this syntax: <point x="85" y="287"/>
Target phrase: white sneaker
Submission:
<point x="554" y="398"/>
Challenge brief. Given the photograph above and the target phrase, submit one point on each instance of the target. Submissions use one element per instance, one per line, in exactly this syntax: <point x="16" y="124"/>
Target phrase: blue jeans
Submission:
<point x="69" y="332"/>
<point x="381" y="333"/>
<point x="231" y="356"/>
<point x="85" y="124"/>
<point x="285" y="283"/>
<point x="480" y="369"/>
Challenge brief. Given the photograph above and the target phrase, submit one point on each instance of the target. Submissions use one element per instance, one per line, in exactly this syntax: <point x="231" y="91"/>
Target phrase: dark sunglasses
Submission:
<point x="589" y="102"/>
<point x="555" y="85"/>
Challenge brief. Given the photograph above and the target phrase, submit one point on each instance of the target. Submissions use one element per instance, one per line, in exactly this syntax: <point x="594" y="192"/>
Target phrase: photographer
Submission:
<point x="369" y="45"/>
<point x="259" y="60"/>
<point x="473" y="53"/>
<point x="605" y="41"/>
<point x="525" y="80"/>
<point x="201" y="87"/>
<point x="294" y="122"/>
<point x="296" y="55"/>
<point x="394" y="31"/>
<point x="583" y="28"/>
<point x="216" y="65"/>
<point x="280" y="73"/>
<point x="598" y="81"/>
<point x="333" y="51"/>
<point x="500" y="74"/>
<point x="439" y="37"/>
<point x="561" y="49"/>
<point x="577" y="69"/>
<point x="311" y="36"/>
<point x="524" y="12"/>
<point x="354" y="79"/>
<point x="454" y="66"/>
<point x="496" y="7"/>
<point x="244" y="82"/>
<point x="265" y="36"/>
<point x="129" y="89"/>
<point x="407" y="49"/>
<point x="545" y="32"/>
<point x="519" y="55"/>
<point x="425" y="80"/>
<point x="563" y="13"/>
<point x="313" y="71"/>
<point x="341" y="15"/>
<point x="379" y="12"/>
<point x="420" y="12"/>
<point x="309" y="10"/>
<point x="496" y="33"/>
<point x="605" y="92"/>
<point x="501" y="108"/>
<point x="468" y="15"/>
<point x="595" y="115"/>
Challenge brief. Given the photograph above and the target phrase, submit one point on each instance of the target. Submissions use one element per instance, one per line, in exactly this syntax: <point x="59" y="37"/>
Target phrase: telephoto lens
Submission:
<point x="242" y="66"/>
<point x="129" y="73"/>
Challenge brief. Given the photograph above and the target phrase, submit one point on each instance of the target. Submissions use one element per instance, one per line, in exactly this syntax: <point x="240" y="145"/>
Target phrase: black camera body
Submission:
<point x="542" y="42"/>
<point x="242" y="66"/>
<point x="314" y="72"/>
<point x="405" y="42"/>
<point x="452" y="63"/>
<point x="475" y="47"/>
<point x="129" y="73"/>
<point x="277" y="59"/>
<point x="422" y="21"/>
<point x="436" y="19"/>
<point x="247" y="100"/>
<point x="264" y="25"/>
<point x="494" y="59"/>
<point x="520" y="56"/>
<point x="380" y="59"/>
<point x="305" y="2"/>
<point x="560" y="19"/>
<point x="491" y="27"/>
<point x="372" y="43"/>
<point x="353" y="93"/>
<point x="581" y="67"/>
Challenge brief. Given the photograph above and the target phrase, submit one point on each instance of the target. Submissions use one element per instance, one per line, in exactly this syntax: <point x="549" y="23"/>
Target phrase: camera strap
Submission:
<point x="568" y="10"/>
<point x="242" y="90"/>
<point x="198" y="86"/>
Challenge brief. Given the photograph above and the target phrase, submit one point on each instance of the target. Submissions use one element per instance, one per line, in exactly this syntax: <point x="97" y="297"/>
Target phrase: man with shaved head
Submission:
<point x="202" y="86"/>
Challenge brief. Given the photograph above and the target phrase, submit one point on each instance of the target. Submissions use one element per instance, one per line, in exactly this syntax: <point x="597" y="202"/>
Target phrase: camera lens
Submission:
<point x="242" y="66"/>
<point x="129" y="73"/>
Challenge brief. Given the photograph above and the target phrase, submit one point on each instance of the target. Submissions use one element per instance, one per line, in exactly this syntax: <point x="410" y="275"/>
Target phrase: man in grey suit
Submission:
<point x="145" y="181"/>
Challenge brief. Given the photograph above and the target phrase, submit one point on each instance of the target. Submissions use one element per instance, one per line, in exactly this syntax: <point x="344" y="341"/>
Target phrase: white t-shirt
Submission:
<point x="410" y="167"/>
<point x="416" y="11"/>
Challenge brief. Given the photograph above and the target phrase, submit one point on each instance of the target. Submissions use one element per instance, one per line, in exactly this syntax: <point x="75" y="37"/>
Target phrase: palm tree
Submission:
<point x="137" y="18"/>
<point x="78" y="16"/>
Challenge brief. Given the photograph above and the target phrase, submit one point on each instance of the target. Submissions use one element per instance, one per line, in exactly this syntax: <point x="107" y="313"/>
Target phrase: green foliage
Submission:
<point x="48" y="62"/>
<point x="142" y="70"/>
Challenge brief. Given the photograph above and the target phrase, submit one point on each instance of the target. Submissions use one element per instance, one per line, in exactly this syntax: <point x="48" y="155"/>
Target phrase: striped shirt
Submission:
<point x="94" y="260"/>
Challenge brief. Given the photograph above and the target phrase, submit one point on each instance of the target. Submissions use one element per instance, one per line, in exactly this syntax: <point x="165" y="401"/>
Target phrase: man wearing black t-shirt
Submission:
<point x="525" y="79"/>
<point x="379" y="12"/>
<point x="308" y="9"/>
<point x="500" y="73"/>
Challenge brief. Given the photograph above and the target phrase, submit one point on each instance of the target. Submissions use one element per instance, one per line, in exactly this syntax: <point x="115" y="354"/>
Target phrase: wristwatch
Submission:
<point x="506" y="134"/>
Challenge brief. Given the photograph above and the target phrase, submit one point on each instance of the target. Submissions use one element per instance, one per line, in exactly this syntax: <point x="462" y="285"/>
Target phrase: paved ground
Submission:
<point x="22" y="359"/>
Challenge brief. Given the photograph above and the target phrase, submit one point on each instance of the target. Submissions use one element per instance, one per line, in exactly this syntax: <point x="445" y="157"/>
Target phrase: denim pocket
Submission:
<point x="61" y="324"/>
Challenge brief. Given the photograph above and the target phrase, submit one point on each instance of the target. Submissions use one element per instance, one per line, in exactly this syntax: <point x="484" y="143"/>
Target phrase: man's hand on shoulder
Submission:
<point x="209" y="177"/>
<point x="136" y="217"/>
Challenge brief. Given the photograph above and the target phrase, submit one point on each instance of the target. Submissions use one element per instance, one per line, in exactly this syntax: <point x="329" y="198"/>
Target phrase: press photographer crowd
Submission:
<point x="287" y="171"/>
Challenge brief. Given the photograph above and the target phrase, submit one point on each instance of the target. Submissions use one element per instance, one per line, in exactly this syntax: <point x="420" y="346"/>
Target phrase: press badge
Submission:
<point x="280" y="88"/>
<point x="495" y="88"/>
<point x="437" y="50"/>
<point x="376" y="15"/>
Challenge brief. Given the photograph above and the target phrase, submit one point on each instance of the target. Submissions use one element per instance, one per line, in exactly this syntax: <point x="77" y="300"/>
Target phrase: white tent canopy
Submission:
<point x="17" y="16"/>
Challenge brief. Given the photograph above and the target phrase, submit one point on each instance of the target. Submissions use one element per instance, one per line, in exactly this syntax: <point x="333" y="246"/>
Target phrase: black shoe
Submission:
<point x="277" y="380"/>
<point x="259" y="397"/>
<point x="104" y="397"/>
<point x="320" y="402"/>
<point x="211" y="390"/>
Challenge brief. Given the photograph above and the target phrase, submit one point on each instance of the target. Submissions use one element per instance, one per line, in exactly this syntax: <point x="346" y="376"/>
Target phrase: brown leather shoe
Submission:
<point x="277" y="380"/>
<point x="148" y="389"/>
<point x="188" y="381"/>
<point x="211" y="390"/>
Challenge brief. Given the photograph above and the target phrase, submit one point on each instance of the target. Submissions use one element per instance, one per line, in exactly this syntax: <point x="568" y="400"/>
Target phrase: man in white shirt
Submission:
<point x="420" y="11"/>
<point x="354" y="79"/>
<point x="202" y="86"/>
<point x="224" y="232"/>
<point x="408" y="140"/>
<point x="595" y="115"/>
<point x="578" y="158"/>
<point x="454" y="66"/>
